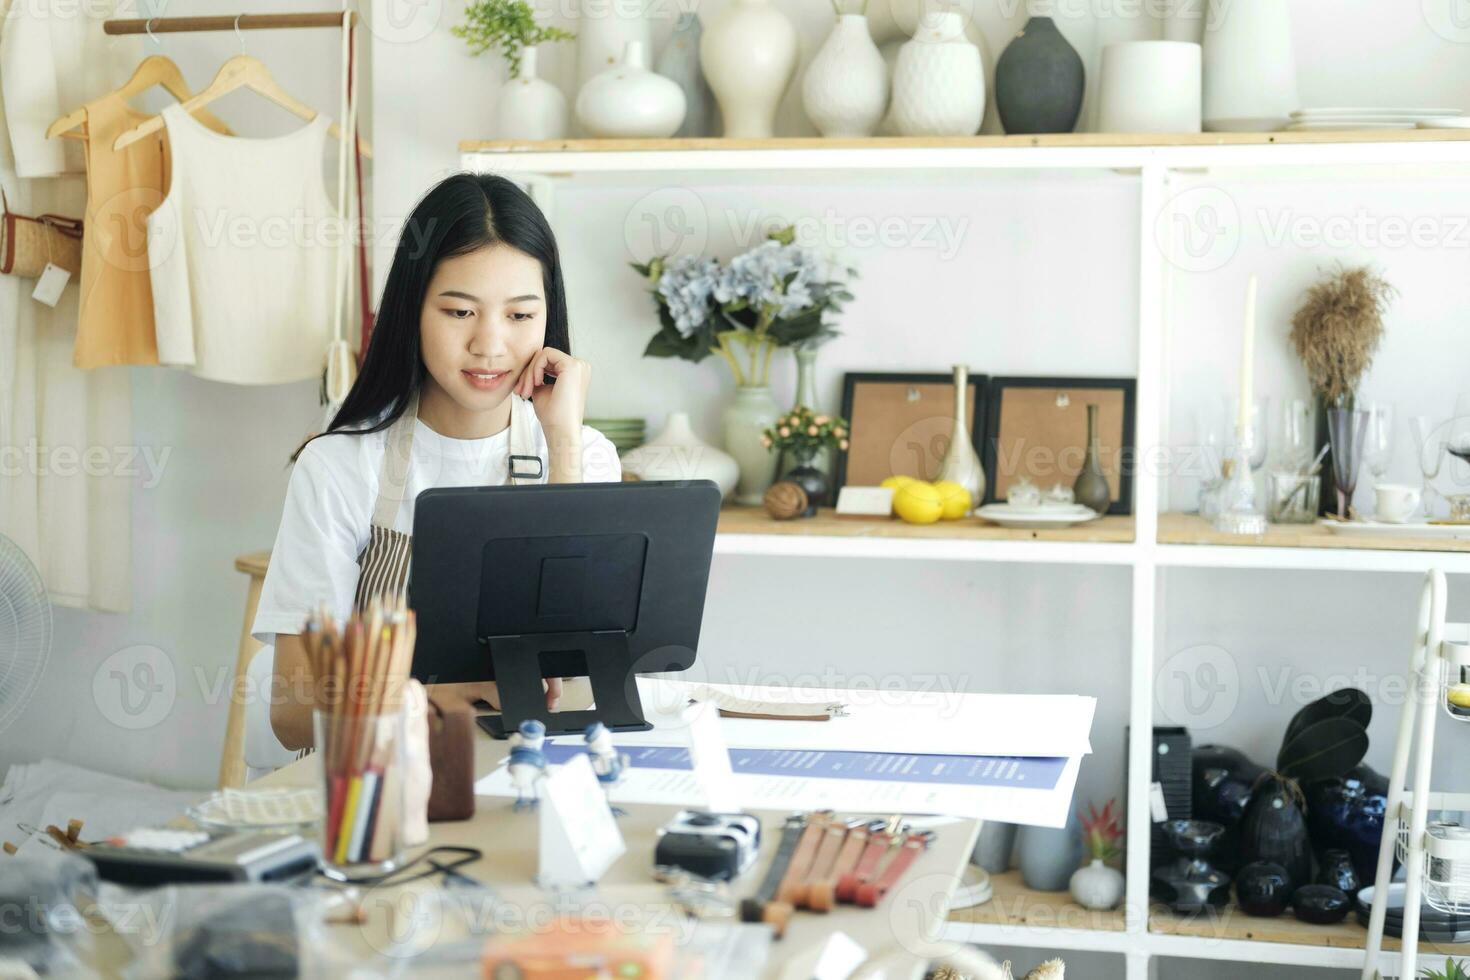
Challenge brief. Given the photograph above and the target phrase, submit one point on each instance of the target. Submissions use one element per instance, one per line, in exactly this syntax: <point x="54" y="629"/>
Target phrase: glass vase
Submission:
<point x="812" y="480"/>
<point x="1347" y="429"/>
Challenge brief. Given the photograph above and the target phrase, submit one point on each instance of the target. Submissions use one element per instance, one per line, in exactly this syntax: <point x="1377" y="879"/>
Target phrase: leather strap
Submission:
<point x="801" y="861"/>
<point x="752" y="909"/>
<point x="914" y="844"/>
<point x="867" y="866"/>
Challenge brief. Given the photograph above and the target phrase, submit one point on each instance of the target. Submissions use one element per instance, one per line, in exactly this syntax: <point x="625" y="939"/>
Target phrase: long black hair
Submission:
<point x="461" y="214"/>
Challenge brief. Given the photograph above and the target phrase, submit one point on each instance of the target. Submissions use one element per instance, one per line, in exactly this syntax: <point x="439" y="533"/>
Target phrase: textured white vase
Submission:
<point x="749" y="55"/>
<point x="677" y="453"/>
<point x="1097" y="886"/>
<point x="1249" y="66"/>
<point x="938" y="81"/>
<point x="1150" y="87"/>
<point x="604" y="28"/>
<point x="629" y="101"/>
<point x="845" y="91"/>
<point x="528" y="107"/>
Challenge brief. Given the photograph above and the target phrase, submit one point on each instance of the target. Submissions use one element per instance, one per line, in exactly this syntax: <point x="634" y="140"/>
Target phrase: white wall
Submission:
<point x="1042" y="281"/>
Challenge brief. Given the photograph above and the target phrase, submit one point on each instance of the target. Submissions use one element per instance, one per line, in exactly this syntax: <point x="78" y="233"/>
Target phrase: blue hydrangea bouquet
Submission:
<point x="777" y="294"/>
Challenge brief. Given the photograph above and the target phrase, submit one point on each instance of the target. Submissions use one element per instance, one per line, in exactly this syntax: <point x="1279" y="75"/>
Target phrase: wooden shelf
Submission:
<point x="1231" y="923"/>
<point x="1049" y="141"/>
<point x="1015" y="905"/>
<point x="754" y="520"/>
<point x="1192" y="529"/>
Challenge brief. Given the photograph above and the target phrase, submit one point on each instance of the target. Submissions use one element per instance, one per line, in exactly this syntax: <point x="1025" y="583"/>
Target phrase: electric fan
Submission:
<point x="25" y="630"/>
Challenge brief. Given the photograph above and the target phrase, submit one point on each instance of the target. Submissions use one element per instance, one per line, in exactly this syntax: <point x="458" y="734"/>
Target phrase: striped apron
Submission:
<point x="383" y="564"/>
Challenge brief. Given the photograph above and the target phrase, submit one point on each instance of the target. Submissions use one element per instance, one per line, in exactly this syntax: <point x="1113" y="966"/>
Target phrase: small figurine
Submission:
<point x="527" y="761"/>
<point x="607" y="762"/>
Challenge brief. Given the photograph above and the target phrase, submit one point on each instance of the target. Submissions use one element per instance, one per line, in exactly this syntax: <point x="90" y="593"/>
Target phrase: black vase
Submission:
<point x="1336" y="869"/>
<point x="1039" y="81"/>
<point x="1224" y="781"/>
<point x="1347" y="813"/>
<point x="1275" y="830"/>
<point x="1321" y="905"/>
<point x="818" y="488"/>
<point x="1262" y="888"/>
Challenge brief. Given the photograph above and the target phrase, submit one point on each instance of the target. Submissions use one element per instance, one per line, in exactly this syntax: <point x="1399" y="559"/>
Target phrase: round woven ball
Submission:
<point x="785" y="500"/>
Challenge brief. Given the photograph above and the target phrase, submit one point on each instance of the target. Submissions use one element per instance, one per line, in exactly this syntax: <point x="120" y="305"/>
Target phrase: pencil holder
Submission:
<point x="362" y="766"/>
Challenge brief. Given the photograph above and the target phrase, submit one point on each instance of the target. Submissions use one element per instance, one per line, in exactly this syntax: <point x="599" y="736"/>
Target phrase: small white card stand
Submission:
<point x="865" y="501"/>
<point x="710" y="758"/>
<point x="579" y="835"/>
<point x="835" y="959"/>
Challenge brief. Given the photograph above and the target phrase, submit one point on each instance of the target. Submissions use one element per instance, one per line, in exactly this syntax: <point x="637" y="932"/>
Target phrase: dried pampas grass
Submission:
<point x="1338" y="329"/>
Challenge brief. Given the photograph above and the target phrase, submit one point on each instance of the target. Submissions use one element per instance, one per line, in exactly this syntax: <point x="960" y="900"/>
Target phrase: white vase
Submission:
<point x="745" y="421"/>
<point x="528" y="107"/>
<point x="1249" y="67"/>
<point x="1097" y="886"/>
<point x="604" y="28"/>
<point x="679" y="63"/>
<point x="629" y="101"/>
<point x="845" y="91"/>
<point x="1184" y="20"/>
<point x="989" y="24"/>
<point x="1150" y="87"/>
<point x="749" y="56"/>
<point x="677" y="453"/>
<point x="938" y="81"/>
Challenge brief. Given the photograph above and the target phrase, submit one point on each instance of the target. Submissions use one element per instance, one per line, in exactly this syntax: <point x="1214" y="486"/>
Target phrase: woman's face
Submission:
<point x="484" y="317"/>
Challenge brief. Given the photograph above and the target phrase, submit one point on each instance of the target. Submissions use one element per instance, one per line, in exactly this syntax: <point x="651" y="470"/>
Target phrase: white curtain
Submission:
<point x="68" y="459"/>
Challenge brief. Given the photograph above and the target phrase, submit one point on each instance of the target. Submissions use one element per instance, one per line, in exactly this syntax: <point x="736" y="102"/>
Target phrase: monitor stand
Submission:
<point x="517" y="663"/>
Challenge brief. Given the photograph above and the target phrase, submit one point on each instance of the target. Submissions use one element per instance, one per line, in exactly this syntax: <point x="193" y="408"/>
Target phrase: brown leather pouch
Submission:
<point x="452" y="759"/>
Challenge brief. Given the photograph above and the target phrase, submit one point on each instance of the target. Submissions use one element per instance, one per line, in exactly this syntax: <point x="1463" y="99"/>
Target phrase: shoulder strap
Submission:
<point x="525" y="465"/>
<point x="393" y="474"/>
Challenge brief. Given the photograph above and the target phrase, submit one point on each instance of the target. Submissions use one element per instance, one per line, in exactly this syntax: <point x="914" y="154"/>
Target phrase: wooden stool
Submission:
<point x="232" y="757"/>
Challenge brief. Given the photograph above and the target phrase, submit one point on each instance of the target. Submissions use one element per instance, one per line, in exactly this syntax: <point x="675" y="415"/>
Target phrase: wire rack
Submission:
<point x="1446" y="858"/>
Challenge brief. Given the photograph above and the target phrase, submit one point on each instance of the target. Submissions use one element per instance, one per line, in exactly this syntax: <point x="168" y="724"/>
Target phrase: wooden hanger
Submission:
<point x="241" y="71"/>
<point x="152" y="70"/>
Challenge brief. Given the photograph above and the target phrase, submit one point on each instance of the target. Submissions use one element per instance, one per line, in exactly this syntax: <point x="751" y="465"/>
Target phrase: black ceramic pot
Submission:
<point x="1321" y="905"/>
<point x="1039" y="81"/>
<point x="1336" y="869"/>
<point x="1223" y="783"/>
<point x="1262" y="888"/>
<point x="1275" y="830"/>
<point x="818" y="488"/>
<point x="1190" y="884"/>
<point x="1348" y="814"/>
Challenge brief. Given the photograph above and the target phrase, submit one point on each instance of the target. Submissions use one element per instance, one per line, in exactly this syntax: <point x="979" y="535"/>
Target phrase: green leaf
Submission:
<point x="1347" y="703"/>
<point x="1323" y="750"/>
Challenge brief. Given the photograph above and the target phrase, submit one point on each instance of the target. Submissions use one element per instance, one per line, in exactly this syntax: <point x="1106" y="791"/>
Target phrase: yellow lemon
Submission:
<point x="955" y="498"/>
<point x="918" y="503"/>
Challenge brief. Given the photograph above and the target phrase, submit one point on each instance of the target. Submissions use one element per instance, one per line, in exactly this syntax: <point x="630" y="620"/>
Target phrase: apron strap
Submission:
<point x="525" y="465"/>
<point x="393" y="475"/>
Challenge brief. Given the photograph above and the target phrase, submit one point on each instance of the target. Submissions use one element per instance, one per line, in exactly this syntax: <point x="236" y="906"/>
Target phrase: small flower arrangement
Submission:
<point x="777" y="294"/>
<point x="803" y="433"/>
<point x="509" y="25"/>
<point x="1101" y="831"/>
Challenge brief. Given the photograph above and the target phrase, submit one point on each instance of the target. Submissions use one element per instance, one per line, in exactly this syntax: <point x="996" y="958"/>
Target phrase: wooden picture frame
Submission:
<point x="901" y="424"/>
<point x="1037" y="428"/>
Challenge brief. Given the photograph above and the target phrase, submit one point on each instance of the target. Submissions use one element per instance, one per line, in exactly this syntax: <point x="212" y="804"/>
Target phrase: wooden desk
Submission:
<point x="509" y="841"/>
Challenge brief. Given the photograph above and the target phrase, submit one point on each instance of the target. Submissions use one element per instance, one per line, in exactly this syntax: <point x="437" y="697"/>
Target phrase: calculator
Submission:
<point x="160" y="856"/>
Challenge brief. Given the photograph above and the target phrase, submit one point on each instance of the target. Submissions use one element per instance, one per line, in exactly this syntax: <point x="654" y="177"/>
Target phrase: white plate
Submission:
<point x="1077" y="510"/>
<point x="1374" y="111"/>
<point x="1445" y="122"/>
<point x="1031" y="519"/>
<point x="1384" y="529"/>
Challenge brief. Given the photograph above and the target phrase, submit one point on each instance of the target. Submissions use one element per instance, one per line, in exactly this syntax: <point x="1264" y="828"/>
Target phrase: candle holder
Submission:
<point x="1239" y="511"/>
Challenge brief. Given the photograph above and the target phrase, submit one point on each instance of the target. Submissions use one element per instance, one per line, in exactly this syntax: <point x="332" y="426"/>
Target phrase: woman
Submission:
<point x="458" y="378"/>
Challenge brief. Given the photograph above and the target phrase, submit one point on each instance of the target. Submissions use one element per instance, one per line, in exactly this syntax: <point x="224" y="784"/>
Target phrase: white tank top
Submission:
<point x="243" y="254"/>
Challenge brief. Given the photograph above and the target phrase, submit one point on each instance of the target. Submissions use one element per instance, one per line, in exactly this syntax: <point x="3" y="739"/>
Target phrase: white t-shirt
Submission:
<point x="329" y="509"/>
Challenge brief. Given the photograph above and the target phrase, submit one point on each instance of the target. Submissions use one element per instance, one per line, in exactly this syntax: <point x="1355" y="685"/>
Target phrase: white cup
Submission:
<point x="1150" y="87"/>
<point x="1396" y="503"/>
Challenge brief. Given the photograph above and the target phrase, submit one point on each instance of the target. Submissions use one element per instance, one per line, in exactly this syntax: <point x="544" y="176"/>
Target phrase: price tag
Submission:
<point x="51" y="285"/>
<point x="1156" y="805"/>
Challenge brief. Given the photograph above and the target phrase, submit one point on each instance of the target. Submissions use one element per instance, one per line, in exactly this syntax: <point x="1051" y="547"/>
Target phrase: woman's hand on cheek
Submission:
<point x="563" y="404"/>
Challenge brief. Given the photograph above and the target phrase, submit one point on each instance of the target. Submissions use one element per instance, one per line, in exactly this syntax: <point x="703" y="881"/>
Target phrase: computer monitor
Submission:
<point x="518" y="583"/>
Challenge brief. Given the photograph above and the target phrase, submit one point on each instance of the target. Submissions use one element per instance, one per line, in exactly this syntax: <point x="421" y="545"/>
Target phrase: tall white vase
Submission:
<point x="604" y="28"/>
<point x="1250" y="81"/>
<point x="749" y="56"/>
<point x="938" y="81"/>
<point x="845" y="91"/>
<point x="528" y="107"/>
<point x="629" y="101"/>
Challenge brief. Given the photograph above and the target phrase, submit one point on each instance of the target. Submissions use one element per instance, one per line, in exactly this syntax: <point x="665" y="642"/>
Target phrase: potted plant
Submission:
<point x="775" y="295"/>
<point x="527" y="107"/>
<point x="1453" y="970"/>
<point x="1336" y="332"/>
<point x="803" y="434"/>
<point x="1095" y="885"/>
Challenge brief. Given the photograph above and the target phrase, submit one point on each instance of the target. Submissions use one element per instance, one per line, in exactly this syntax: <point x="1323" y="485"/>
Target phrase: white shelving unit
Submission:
<point x="1161" y="166"/>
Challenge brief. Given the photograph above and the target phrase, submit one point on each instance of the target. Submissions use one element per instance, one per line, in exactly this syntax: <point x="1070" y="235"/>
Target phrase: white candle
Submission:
<point x="1247" y="359"/>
